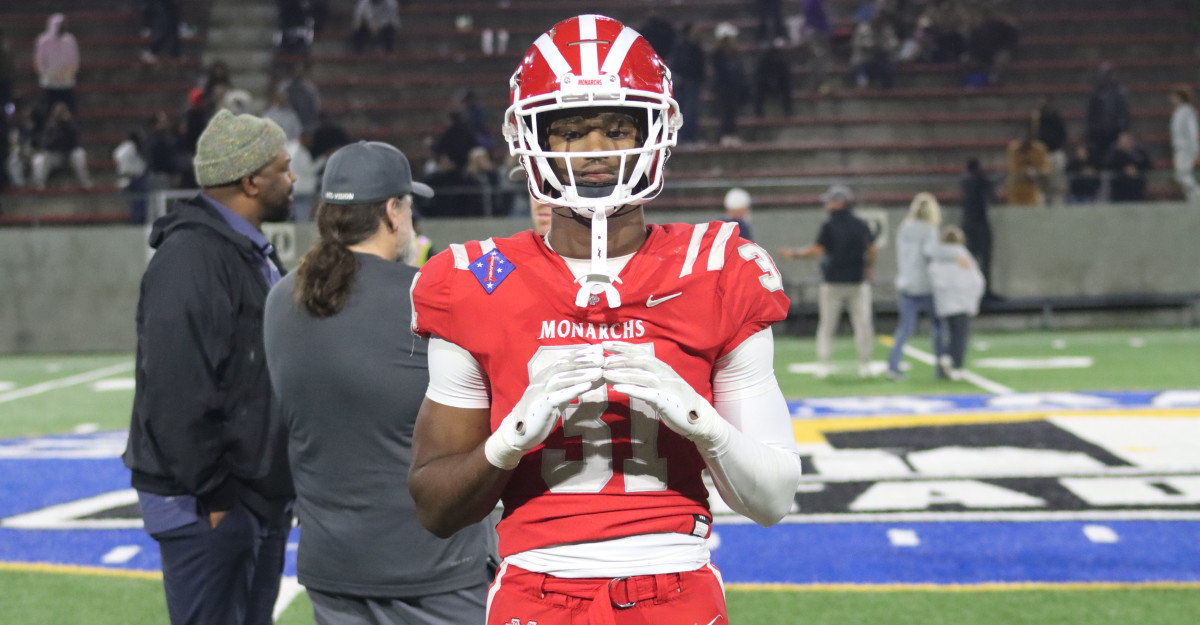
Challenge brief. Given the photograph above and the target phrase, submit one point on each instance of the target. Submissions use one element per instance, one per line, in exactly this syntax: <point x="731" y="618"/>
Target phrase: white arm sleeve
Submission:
<point x="757" y="470"/>
<point x="455" y="377"/>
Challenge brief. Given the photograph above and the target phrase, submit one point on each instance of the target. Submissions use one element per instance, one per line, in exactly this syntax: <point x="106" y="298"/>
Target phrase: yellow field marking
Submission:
<point x="71" y="569"/>
<point x="813" y="430"/>
<point x="983" y="587"/>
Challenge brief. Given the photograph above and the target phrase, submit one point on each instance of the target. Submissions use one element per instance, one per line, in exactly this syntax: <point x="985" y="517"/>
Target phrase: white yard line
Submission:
<point x="968" y="375"/>
<point x="79" y="378"/>
<point x="289" y="589"/>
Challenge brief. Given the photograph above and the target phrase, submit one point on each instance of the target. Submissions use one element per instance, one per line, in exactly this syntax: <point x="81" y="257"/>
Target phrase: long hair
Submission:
<point x="327" y="271"/>
<point x="926" y="208"/>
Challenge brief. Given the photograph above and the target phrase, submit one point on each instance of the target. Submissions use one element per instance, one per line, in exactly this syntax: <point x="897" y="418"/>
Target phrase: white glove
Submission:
<point x="635" y="372"/>
<point x="538" y="411"/>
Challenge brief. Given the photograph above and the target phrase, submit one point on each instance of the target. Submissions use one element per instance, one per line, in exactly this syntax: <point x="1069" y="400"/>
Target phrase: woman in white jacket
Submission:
<point x="957" y="287"/>
<point x="1185" y="142"/>
<point x="915" y="239"/>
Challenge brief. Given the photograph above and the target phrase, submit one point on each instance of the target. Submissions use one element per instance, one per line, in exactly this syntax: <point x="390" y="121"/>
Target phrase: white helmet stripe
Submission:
<point x="558" y="63"/>
<point x="589" y="51"/>
<point x="618" y="50"/>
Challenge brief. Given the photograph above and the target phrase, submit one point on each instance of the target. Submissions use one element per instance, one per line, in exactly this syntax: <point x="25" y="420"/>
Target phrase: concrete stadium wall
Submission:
<point x="75" y="289"/>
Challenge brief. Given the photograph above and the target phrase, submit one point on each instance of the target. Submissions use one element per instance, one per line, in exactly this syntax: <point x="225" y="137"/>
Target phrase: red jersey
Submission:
<point x="691" y="294"/>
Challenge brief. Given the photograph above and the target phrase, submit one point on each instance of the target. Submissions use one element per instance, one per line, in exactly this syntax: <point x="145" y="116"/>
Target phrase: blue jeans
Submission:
<point x="910" y="306"/>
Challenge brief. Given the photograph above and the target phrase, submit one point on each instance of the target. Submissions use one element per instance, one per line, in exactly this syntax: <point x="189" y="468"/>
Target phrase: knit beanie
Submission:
<point x="233" y="146"/>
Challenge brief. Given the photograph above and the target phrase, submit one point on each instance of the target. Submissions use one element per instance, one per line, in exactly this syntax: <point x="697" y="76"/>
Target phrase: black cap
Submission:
<point x="368" y="171"/>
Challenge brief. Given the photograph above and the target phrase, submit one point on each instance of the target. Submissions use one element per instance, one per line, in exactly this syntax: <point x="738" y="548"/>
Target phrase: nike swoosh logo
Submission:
<point x="651" y="302"/>
<point x="715" y="619"/>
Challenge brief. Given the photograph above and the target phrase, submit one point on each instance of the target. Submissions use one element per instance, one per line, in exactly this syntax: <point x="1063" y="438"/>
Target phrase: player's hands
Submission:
<point x="638" y="374"/>
<point x="538" y="411"/>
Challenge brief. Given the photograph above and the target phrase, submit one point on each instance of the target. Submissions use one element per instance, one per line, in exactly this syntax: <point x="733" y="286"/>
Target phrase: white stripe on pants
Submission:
<point x="832" y="297"/>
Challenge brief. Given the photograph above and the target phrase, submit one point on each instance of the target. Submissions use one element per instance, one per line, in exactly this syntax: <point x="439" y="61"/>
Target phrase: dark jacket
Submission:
<point x="846" y="239"/>
<point x="204" y="420"/>
<point x="977" y="192"/>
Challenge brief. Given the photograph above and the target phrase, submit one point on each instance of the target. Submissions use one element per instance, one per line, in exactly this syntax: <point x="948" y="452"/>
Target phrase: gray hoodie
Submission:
<point x="956" y="289"/>
<point x="913" y="243"/>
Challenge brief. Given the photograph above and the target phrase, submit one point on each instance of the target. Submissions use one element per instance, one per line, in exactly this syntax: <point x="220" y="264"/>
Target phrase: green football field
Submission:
<point x="55" y="394"/>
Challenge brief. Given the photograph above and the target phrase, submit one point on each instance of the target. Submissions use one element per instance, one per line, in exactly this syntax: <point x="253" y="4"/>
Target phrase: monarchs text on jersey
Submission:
<point x="610" y="469"/>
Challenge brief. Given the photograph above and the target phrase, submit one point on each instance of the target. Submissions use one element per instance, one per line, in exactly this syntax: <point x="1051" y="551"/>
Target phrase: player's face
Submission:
<point x="593" y="131"/>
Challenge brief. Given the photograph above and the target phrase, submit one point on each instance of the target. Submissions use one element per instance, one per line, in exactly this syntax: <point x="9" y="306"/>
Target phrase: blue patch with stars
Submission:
<point x="491" y="269"/>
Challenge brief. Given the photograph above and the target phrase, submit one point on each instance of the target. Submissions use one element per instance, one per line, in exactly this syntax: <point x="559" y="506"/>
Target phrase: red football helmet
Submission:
<point x="585" y="62"/>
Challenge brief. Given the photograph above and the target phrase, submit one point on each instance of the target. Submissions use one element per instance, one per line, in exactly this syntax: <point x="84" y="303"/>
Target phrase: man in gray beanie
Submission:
<point x="207" y="449"/>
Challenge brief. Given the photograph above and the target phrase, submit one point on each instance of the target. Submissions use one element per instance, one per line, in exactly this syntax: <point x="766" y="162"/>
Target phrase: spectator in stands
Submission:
<point x="59" y="145"/>
<point x="919" y="46"/>
<point x="658" y="32"/>
<point x="280" y="111"/>
<point x="946" y="26"/>
<point x="477" y="120"/>
<point x="455" y="194"/>
<point x="770" y="20"/>
<point x="1083" y="175"/>
<point x="1185" y="142"/>
<point x="688" y="63"/>
<point x="375" y="21"/>
<point x="20" y="138"/>
<point x="773" y="77"/>
<point x="163" y="153"/>
<point x="958" y="285"/>
<point x="297" y="27"/>
<point x="162" y="20"/>
<point x="8" y="72"/>
<point x="1107" y="111"/>
<point x="991" y="42"/>
<point x="915" y="239"/>
<point x="1028" y="164"/>
<point x="327" y="137"/>
<point x="978" y="193"/>
<point x="848" y="247"/>
<point x="217" y="75"/>
<point x="303" y="96"/>
<point x="729" y="83"/>
<point x="484" y="180"/>
<point x="818" y="36"/>
<point x="737" y="210"/>
<point x="237" y="101"/>
<point x="130" y="157"/>
<point x="1051" y="130"/>
<point x="456" y="140"/>
<point x="873" y="48"/>
<point x="56" y="60"/>
<point x="1128" y="163"/>
<point x="204" y="101"/>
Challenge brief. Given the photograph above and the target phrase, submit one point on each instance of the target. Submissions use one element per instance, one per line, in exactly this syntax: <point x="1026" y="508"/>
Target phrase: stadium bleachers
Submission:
<point x="891" y="143"/>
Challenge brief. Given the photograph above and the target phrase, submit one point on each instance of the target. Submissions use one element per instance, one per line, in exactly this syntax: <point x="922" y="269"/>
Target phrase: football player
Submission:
<point x="586" y="378"/>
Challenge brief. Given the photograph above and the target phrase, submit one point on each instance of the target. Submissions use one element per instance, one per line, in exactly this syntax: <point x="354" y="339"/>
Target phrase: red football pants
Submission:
<point x="520" y="597"/>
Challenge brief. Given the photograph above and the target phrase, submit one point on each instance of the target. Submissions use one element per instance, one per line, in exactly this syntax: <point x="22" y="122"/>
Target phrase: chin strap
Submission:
<point x="599" y="280"/>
